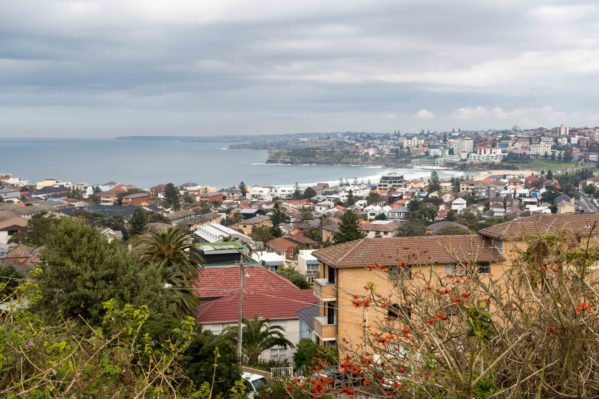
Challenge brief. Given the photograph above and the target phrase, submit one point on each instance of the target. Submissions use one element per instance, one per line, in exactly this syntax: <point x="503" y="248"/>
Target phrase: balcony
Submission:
<point x="325" y="331"/>
<point x="324" y="290"/>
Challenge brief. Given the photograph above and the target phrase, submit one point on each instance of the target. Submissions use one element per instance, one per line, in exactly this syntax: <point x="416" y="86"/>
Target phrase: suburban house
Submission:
<point x="8" y="193"/>
<point x="298" y="238"/>
<point x="308" y="265"/>
<point x="110" y="197"/>
<point x="380" y="228"/>
<point x="10" y="227"/>
<point x="565" y="204"/>
<point x="329" y="228"/>
<point x="192" y="223"/>
<point x="282" y="246"/>
<point x="458" y="205"/>
<point x="249" y="213"/>
<point x="51" y="192"/>
<point x="213" y="232"/>
<point x="248" y="226"/>
<point x="344" y="271"/>
<point x="139" y="199"/>
<point x="46" y="183"/>
<point x="398" y="214"/>
<point x="266" y="295"/>
<point x="435" y="228"/>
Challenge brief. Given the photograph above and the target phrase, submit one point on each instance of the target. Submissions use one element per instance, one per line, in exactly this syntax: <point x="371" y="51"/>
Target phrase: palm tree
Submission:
<point x="258" y="336"/>
<point x="171" y="250"/>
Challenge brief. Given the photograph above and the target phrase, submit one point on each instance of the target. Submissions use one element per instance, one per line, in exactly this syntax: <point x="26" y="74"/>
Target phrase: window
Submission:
<point x="331" y="317"/>
<point x="278" y="353"/>
<point x="332" y="275"/>
<point x="454" y="270"/>
<point x="400" y="273"/>
<point x="396" y="311"/>
<point x="484" y="267"/>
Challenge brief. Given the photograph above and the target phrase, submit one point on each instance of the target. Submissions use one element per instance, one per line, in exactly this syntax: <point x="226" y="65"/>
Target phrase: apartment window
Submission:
<point x="454" y="270"/>
<point x="279" y="353"/>
<point x="400" y="273"/>
<point x="332" y="275"/>
<point x="331" y="317"/>
<point x="397" y="311"/>
<point x="484" y="267"/>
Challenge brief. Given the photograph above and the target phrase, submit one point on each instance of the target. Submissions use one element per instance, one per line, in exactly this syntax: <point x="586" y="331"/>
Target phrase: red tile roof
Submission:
<point x="518" y="229"/>
<point x="301" y="239"/>
<point x="413" y="250"/>
<point x="271" y="305"/>
<point x="216" y="282"/>
<point x="281" y="244"/>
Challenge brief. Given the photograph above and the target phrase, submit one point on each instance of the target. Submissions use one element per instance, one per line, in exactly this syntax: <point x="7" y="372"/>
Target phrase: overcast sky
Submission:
<point x="107" y="68"/>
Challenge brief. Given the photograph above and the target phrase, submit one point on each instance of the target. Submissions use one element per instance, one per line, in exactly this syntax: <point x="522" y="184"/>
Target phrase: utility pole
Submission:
<point x="240" y="321"/>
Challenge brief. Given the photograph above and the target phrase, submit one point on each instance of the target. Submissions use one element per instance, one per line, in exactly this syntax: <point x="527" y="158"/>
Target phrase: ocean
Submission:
<point x="145" y="163"/>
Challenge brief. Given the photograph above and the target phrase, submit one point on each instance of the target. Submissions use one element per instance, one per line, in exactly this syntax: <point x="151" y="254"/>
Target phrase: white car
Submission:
<point x="253" y="383"/>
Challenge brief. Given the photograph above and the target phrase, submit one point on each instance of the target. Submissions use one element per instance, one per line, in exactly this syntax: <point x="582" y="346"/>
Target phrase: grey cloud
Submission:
<point x="110" y="67"/>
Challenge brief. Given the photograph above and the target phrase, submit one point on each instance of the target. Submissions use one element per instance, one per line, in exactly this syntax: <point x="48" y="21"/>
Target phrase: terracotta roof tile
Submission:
<point x="216" y="282"/>
<point x="518" y="229"/>
<point x="271" y="305"/>
<point x="281" y="244"/>
<point x="414" y="250"/>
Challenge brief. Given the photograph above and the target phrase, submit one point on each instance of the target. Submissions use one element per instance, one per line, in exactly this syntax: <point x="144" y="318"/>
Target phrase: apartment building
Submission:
<point x="344" y="272"/>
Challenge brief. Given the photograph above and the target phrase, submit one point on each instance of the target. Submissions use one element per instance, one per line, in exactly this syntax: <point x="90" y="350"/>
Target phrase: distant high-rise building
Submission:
<point x="564" y="130"/>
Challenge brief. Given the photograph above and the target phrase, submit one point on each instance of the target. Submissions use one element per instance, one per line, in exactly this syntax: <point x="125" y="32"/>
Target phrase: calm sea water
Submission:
<point x="146" y="163"/>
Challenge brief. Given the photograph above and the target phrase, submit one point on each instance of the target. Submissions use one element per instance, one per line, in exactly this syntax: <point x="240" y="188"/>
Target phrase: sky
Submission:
<point x="190" y="67"/>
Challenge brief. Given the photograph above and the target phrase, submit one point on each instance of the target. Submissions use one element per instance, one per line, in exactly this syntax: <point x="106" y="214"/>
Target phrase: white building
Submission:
<point x="214" y="232"/>
<point x="261" y="193"/>
<point x="459" y="204"/>
<point x="307" y="264"/>
<point x="463" y="146"/>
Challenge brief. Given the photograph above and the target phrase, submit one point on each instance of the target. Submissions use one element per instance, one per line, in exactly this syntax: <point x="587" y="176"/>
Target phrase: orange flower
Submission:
<point x="465" y="295"/>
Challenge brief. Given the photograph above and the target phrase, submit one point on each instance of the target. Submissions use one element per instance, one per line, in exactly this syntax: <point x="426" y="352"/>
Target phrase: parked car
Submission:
<point x="253" y="383"/>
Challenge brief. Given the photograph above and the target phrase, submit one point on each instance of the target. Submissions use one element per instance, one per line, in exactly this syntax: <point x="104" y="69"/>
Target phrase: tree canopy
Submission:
<point x="349" y="228"/>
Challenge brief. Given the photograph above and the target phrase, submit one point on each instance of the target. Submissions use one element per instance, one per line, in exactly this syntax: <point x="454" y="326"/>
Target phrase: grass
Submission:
<point x="545" y="164"/>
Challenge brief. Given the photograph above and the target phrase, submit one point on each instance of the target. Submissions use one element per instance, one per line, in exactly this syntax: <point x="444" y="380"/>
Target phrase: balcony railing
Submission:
<point x="324" y="330"/>
<point x="324" y="290"/>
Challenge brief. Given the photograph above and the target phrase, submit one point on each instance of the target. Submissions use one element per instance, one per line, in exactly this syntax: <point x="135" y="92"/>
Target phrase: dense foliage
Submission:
<point x="349" y="228"/>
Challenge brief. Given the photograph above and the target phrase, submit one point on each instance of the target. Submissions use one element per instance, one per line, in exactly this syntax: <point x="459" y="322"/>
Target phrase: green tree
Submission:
<point x="298" y="279"/>
<point x="138" y="222"/>
<point x="172" y="196"/>
<point x="412" y="228"/>
<point x="306" y="214"/>
<point x="262" y="233"/>
<point x="373" y="198"/>
<point x="199" y="361"/>
<point x="309" y="193"/>
<point x="9" y="281"/>
<point x="243" y="188"/>
<point x="38" y="230"/>
<point x="278" y="216"/>
<point x="81" y="270"/>
<point x="258" y="336"/>
<point x="434" y="184"/>
<point x="309" y="353"/>
<point x="171" y="250"/>
<point x="350" y="198"/>
<point x="380" y="216"/>
<point x="187" y="198"/>
<point x="349" y="228"/>
<point x="590" y="189"/>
